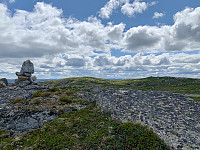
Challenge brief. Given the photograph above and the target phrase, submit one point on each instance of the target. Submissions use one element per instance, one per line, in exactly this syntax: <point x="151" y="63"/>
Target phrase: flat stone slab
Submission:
<point x="173" y="117"/>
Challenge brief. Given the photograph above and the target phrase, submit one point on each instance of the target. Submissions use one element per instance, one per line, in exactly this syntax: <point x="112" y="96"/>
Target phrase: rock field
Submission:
<point x="174" y="117"/>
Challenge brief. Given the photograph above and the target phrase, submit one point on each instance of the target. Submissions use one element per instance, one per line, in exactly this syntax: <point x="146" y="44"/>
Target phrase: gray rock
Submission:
<point x="20" y="121"/>
<point x="173" y="117"/>
<point x="27" y="67"/>
<point x="2" y="84"/>
<point x="34" y="78"/>
<point x="24" y="83"/>
<point x="27" y="74"/>
<point x="4" y="80"/>
<point x="24" y="76"/>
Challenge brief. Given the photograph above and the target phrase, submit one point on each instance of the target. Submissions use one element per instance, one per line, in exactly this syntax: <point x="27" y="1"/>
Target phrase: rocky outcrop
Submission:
<point x="24" y="76"/>
<point x="174" y="117"/>
<point x="21" y="120"/>
<point x="3" y="82"/>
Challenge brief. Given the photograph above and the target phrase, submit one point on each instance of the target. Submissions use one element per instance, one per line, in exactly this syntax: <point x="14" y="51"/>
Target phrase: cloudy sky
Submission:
<point x="101" y="38"/>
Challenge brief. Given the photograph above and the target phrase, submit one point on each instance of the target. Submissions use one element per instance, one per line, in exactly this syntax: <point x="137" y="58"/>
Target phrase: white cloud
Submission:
<point x="11" y="1"/>
<point x="45" y="32"/>
<point x="131" y="9"/>
<point x="142" y="38"/>
<point x="62" y="47"/>
<point x="116" y="32"/>
<point x="107" y="10"/>
<point x="158" y="15"/>
<point x="184" y="35"/>
<point x="127" y="7"/>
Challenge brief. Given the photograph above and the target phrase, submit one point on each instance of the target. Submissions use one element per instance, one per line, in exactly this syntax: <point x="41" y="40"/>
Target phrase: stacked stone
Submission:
<point x="24" y="76"/>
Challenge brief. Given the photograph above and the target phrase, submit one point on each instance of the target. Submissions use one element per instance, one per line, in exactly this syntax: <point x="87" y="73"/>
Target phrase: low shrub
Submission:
<point x="37" y="101"/>
<point x="16" y="100"/>
<point x="70" y="92"/>
<point x="54" y="89"/>
<point x="41" y="93"/>
<point x="81" y="101"/>
<point x="37" y="94"/>
<point x="65" y="99"/>
<point x="46" y="94"/>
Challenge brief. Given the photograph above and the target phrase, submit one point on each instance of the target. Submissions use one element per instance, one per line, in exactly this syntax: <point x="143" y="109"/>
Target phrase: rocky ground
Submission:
<point x="14" y="116"/>
<point x="174" y="117"/>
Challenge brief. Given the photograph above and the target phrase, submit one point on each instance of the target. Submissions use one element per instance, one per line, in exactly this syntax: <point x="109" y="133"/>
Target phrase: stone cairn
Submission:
<point x="24" y="76"/>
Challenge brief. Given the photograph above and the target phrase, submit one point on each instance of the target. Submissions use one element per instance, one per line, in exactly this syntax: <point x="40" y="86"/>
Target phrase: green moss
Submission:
<point x="195" y="98"/>
<point x="37" y="101"/>
<point x="16" y="100"/>
<point x="46" y="94"/>
<point x="80" y="101"/>
<point x="41" y="93"/>
<point x="65" y="99"/>
<point x="70" y="92"/>
<point x="54" y="89"/>
<point x="37" y="94"/>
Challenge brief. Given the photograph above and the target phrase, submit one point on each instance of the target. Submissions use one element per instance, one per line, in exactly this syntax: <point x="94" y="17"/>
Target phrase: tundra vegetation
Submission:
<point x="90" y="128"/>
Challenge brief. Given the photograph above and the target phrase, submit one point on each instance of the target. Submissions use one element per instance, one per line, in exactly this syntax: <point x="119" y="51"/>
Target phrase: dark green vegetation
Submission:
<point x="88" y="128"/>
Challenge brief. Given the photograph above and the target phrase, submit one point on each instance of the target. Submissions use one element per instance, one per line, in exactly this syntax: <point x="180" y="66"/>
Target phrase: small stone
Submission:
<point x="23" y="78"/>
<point x="2" y="84"/>
<point x="34" y="78"/>
<point x="5" y="81"/>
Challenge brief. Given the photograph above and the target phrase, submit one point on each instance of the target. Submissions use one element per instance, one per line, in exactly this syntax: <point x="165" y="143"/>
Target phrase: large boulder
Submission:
<point x="27" y="69"/>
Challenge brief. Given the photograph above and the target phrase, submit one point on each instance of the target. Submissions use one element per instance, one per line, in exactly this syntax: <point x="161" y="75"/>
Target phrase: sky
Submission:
<point x="113" y="39"/>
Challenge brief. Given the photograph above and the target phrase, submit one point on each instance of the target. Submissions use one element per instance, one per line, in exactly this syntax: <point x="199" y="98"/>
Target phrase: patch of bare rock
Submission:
<point x="173" y="117"/>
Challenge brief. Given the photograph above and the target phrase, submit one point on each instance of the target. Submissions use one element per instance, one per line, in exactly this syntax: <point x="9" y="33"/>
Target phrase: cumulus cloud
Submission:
<point x="158" y="15"/>
<point x="107" y="10"/>
<point x="142" y="38"/>
<point x="131" y="9"/>
<point x="182" y="36"/>
<point x="61" y="47"/>
<point x="127" y="8"/>
<point x="45" y="32"/>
